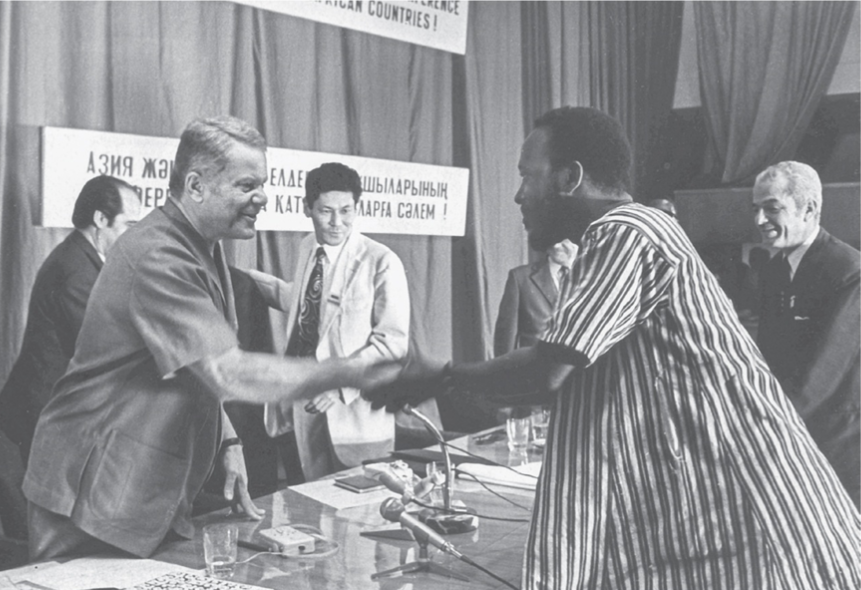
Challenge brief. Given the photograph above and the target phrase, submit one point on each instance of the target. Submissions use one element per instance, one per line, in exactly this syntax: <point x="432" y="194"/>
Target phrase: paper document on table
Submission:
<point x="524" y="477"/>
<point x="326" y="492"/>
<point x="191" y="581"/>
<point x="98" y="572"/>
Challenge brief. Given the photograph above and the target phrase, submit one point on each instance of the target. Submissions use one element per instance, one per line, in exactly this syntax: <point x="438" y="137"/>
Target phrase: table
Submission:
<point x="496" y="545"/>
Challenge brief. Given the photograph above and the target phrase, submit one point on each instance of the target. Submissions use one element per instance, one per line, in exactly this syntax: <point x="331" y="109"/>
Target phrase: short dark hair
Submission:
<point x="204" y="145"/>
<point x="332" y="176"/>
<point x="593" y="138"/>
<point x="101" y="193"/>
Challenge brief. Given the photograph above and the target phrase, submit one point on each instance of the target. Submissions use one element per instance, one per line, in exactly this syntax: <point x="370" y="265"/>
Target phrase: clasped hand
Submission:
<point x="420" y="379"/>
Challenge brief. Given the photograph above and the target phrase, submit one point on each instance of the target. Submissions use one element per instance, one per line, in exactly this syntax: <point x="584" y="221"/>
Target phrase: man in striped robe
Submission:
<point x="674" y="460"/>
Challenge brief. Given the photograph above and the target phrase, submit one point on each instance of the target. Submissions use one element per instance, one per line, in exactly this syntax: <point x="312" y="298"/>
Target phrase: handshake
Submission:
<point x="418" y="381"/>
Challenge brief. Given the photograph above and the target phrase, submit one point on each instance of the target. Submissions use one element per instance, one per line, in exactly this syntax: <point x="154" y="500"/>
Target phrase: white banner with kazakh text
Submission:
<point x="397" y="198"/>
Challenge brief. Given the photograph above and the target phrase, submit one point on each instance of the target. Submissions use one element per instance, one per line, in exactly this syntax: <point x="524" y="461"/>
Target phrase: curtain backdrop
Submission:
<point x="150" y="67"/>
<point x="620" y="57"/>
<point x="764" y="68"/>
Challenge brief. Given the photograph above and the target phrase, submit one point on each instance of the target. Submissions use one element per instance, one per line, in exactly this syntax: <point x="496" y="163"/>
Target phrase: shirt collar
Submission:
<point x="794" y="257"/>
<point x="332" y="252"/>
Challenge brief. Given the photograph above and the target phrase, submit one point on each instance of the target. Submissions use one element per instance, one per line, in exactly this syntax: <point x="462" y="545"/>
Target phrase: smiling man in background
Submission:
<point x="809" y="315"/>
<point x="350" y="297"/>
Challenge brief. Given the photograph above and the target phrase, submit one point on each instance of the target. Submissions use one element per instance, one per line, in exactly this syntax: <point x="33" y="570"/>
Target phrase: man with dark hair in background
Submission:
<point x="135" y="425"/>
<point x="104" y="209"/>
<point x="673" y="459"/>
<point x="810" y="314"/>
<point x="350" y="298"/>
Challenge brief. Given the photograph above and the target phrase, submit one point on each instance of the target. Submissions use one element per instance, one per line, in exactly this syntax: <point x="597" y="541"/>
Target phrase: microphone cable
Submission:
<point x="485" y="459"/>
<point x="476" y="514"/>
<point x="466" y="559"/>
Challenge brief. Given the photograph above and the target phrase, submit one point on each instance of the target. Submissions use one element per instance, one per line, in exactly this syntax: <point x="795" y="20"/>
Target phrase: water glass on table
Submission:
<point x="518" y="432"/>
<point x="540" y="420"/>
<point x="219" y="549"/>
<point x="435" y="470"/>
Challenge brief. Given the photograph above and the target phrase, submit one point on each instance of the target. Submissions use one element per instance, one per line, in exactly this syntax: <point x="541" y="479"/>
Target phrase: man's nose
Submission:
<point x="759" y="217"/>
<point x="518" y="196"/>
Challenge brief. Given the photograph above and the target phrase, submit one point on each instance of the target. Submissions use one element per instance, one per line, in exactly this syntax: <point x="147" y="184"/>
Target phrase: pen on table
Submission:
<point x="253" y="546"/>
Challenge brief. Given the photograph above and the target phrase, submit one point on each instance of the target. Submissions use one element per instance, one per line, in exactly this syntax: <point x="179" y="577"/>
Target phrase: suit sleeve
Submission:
<point x="836" y="353"/>
<point x="505" y="331"/>
<point x="390" y="324"/>
<point x="71" y="303"/>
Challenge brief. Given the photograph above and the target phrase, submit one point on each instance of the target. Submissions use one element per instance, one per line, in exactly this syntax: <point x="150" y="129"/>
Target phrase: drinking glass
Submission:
<point x="540" y="419"/>
<point x="518" y="432"/>
<point x="219" y="549"/>
<point x="435" y="470"/>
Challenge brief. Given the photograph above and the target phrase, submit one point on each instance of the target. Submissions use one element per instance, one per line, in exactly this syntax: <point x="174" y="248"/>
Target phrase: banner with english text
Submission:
<point x="440" y="24"/>
<point x="398" y="197"/>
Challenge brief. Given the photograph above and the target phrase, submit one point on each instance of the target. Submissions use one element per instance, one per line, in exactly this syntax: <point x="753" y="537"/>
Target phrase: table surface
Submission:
<point x="496" y="545"/>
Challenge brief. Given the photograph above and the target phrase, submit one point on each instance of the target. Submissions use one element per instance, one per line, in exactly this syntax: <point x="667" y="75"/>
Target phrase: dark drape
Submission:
<point x="764" y="68"/>
<point x="621" y="57"/>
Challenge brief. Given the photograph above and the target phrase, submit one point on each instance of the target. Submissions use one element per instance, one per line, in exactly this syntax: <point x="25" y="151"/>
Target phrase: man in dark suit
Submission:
<point x="530" y="295"/>
<point x="105" y="208"/>
<point x="809" y="316"/>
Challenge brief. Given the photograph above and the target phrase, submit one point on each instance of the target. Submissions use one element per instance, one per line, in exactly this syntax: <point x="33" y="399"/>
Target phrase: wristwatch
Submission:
<point x="229" y="442"/>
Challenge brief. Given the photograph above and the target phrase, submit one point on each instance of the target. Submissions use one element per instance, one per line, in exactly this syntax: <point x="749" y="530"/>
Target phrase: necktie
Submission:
<point x="563" y="285"/>
<point x="306" y="335"/>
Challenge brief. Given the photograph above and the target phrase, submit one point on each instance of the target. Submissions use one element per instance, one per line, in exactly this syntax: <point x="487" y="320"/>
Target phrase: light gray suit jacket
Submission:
<point x="364" y="311"/>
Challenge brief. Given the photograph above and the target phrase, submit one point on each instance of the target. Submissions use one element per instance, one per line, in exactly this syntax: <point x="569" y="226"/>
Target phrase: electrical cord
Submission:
<point x="494" y="492"/>
<point x="471" y="454"/>
<point x="457" y="511"/>
<point x="466" y="559"/>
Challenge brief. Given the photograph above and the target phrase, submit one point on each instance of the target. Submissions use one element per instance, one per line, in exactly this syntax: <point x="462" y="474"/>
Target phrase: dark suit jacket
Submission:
<point x="57" y="305"/>
<point x="810" y="339"/>
<point x="526" y="307"/>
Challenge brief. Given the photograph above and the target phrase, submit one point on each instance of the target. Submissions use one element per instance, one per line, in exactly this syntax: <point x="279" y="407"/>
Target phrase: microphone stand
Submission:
<point x="422" y="563"/>
<point x="445" y="521"/>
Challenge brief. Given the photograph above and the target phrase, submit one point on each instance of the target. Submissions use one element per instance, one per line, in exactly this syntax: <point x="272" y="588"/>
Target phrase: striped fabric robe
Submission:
<point x="674" y="460"/>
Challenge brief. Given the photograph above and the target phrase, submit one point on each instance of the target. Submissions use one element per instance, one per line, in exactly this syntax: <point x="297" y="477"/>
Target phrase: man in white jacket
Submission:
<point x="350" y="298"/>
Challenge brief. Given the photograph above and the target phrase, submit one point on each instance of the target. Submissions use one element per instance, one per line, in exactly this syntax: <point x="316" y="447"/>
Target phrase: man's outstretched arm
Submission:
<point x="260" y="378"/>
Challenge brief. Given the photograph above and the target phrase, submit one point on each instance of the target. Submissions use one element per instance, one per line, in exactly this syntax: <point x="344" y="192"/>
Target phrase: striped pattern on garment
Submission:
<point x="674" y="460"/>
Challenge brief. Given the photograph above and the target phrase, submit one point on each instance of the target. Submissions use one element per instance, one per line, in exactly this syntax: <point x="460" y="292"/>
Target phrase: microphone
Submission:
<point x="393" y="510"/>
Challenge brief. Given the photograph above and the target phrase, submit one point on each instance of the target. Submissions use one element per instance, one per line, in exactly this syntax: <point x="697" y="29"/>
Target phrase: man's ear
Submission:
<point x="570" y="178"/>
<point x="194" y="186"/>
<point x="810" y="210"/>
<point x="100" y="220"/>
<point x="305" y="207"/>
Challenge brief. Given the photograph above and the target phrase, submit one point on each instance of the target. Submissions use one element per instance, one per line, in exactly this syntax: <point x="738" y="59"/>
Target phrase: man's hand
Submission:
<point x="236" y="483"/>
<point x="321" y="403"/>
<point x="420" y="380"/>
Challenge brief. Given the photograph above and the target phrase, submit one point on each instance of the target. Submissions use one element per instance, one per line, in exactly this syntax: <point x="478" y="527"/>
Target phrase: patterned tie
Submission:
<point x="306" y="335"/>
